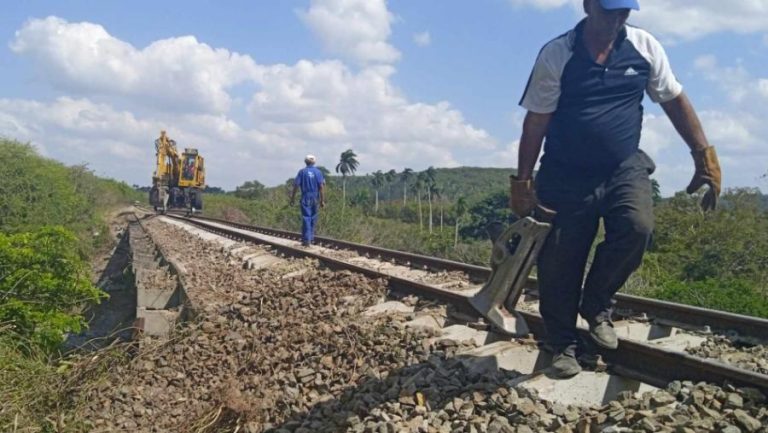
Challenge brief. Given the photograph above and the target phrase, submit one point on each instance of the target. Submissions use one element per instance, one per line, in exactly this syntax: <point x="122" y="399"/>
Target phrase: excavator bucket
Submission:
<point x="514" y="253"/>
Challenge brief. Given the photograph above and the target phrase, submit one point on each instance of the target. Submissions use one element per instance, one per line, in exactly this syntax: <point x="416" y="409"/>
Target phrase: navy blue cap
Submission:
<point x="620" y="4"/>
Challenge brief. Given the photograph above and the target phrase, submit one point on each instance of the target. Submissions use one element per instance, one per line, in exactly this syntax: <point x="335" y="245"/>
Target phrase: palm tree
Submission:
<point x="406" y="175"/>
<point x="390" y="177"/>
<point x="347" y="165"/>
<point x="377" y="181"/>
<point x="421" y="180"/>
<point x="437" y="193"/>
<point x="461" y="211"/>
<point x="430" y="185"/>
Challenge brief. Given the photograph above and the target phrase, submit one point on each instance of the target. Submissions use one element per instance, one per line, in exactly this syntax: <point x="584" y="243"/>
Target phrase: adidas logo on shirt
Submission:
<point x="630" y="72"/>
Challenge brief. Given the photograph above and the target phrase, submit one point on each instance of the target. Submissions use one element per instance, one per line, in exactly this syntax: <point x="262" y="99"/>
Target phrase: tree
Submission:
<point x="347" y="165"/>
<point x="437" y="192"/>
<point x="430" y="184"/>
<point x="377" y="181"/>
<point x="461" y="211"/>
<point x="390" y="177"/>
<point x="214" y="190"/>
<point x="405" y="176"/>
<point x="656" y="191"/>
<point x="326" y="173"/>
<point x="252" y="189"/>
<point x="493" y="208"/>
<point x="421" y="180"/>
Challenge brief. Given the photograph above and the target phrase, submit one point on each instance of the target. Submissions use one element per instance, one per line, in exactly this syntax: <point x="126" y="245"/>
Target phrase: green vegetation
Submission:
<point x="51" y="225"/>
<point x="43" y="282"/>
<point x="715" y="260"/>
<point x="36" y="192"/>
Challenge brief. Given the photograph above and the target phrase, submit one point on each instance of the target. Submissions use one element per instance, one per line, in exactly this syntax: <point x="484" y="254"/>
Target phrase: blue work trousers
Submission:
<point x="308" y="218"/>
<point x="623" y="200"/>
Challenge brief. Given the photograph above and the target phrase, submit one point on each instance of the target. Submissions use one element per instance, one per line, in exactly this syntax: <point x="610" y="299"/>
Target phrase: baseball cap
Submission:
<point x="309" y="158"/>
<point x="620" y="4"/>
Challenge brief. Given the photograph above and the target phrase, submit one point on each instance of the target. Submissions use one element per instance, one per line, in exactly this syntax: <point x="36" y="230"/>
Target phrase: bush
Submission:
<point x="42" y="282"/>
<point x="730" y="243"/>
<point x="36" y="192"/>
<point x="736" y="296"/>
<point x="492" y="208"/>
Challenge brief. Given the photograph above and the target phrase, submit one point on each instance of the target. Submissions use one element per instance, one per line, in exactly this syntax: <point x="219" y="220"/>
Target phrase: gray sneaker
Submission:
<point x="565" y="365"/>
<point x="604" y="335"/>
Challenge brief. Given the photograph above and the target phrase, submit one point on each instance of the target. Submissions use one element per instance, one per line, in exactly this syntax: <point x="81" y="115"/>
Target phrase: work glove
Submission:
<point x="522" y="196"/>
<point x="707" y="173"/>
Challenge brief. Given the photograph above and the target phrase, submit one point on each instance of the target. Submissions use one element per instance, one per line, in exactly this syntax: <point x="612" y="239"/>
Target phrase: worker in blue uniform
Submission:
<point x="585" y="97"/>
<point x="311" y="182"/>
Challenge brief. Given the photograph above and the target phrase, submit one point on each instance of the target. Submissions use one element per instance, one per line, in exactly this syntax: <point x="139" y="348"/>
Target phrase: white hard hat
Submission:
<point x="309" y="158"/>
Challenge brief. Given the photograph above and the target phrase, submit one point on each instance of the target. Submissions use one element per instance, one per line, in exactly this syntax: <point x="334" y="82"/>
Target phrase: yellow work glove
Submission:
<point x="522" y="196"/>
<point x="707" y="173"/>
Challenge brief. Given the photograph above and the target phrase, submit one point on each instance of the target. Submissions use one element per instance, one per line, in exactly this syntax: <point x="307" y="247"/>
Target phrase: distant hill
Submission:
<point x="470" y="182"/>
<point x="474" y="183"/>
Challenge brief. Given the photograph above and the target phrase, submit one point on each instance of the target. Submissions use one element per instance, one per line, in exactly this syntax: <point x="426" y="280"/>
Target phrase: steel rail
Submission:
<point x="649" y="363"/>
<point x="673" y="313"/>
<point x="475" y="273"/>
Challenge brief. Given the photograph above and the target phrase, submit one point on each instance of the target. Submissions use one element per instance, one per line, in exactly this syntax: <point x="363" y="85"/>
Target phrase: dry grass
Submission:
<point x="39" y="392"/>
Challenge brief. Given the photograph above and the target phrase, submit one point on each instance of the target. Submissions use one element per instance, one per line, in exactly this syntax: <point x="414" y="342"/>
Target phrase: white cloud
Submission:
<point x="422" y="39"/>
<point x="684" y="19"/>
<point x="309" y="107"/>
<point x="179" y="74"/>
<point x="331" y="106"/>
<point x="692" y="19"/>
<point x="543" y="4"/>
<point x="76" y="131"/>
<point x="735" y="135"/>
<point x="736" y="128"/>
<point x="119" y="144"/>
<point x="737" y="83"/>
<point x="355" y="29"/>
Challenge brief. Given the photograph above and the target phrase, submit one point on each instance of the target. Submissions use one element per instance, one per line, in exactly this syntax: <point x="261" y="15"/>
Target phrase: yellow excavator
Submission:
<point x="179" y="179"/>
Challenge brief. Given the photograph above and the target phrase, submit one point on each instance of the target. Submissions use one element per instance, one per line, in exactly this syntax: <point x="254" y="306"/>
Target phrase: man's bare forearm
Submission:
<point x="534" y="129"/>
<point x="680" y="111"/>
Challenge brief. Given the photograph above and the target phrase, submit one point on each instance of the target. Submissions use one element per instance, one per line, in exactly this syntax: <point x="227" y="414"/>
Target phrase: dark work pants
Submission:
<point x="623" y="199"/>
<point x="308" y="219"/>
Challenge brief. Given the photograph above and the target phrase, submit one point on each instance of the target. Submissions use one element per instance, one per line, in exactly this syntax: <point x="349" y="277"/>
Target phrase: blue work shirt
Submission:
<point x="597" y="111"/>
<point x="309" y="179"/>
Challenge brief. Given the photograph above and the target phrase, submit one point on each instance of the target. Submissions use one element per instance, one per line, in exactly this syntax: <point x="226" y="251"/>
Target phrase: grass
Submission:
<point x="43" y="393"/>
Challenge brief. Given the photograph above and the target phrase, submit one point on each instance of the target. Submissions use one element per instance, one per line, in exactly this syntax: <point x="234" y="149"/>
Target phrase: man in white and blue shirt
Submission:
<point x="584" y="96"/>
<point x="311" y="182"/>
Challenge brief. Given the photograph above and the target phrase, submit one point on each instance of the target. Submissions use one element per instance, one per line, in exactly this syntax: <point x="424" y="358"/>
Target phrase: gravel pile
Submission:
<point x="287" y="350"/>
<point x="725" y="349"/>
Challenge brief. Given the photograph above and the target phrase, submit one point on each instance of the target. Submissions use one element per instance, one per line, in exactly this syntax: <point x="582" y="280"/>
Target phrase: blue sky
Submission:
<point x="256" y="85"/>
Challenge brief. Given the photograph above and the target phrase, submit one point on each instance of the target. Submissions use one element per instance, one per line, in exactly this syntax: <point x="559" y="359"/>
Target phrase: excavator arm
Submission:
<point x="179" y="179"/>
<point x="167" y="160"/>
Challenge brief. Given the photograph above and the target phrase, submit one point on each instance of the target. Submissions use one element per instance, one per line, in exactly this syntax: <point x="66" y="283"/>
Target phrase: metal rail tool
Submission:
<point x="514" y="253"/>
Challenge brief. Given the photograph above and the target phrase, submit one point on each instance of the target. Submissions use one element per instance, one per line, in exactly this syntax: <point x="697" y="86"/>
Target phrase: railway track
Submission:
<point x="665" y="313"/>
<point x="648" y="351"/>
<point x="282" y="341"/>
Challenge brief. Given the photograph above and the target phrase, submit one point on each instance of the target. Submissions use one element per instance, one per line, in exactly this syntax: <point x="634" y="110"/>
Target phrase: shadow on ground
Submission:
<point x="113" y="317"/>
